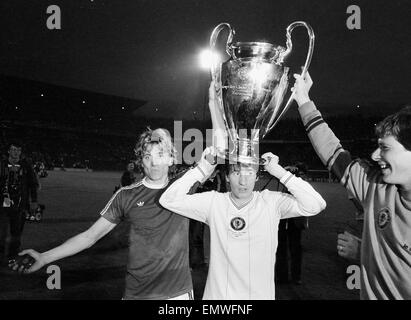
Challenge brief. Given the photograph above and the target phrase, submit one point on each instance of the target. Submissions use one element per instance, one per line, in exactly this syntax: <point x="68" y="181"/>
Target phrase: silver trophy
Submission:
<point x="250" y="90"/>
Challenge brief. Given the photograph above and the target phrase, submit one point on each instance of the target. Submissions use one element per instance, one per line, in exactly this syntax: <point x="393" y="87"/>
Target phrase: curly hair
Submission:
<point x="160" y="137"/>
<point x="397" y="125"/>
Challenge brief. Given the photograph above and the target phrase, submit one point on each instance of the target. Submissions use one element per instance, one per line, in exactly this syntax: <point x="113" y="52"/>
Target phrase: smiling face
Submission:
<point x="242" y="181"/>
<point x="394" y="160"/>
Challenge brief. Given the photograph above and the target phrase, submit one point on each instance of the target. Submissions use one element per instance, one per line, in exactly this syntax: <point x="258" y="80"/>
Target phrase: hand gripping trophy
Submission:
<point x="250" y="90"/>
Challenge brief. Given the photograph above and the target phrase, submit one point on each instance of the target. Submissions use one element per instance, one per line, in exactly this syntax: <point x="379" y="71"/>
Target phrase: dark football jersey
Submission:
<point x="158" y="264"/>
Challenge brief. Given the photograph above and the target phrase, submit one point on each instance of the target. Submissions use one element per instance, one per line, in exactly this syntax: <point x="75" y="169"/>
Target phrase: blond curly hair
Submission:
<point x="160" y="137"/>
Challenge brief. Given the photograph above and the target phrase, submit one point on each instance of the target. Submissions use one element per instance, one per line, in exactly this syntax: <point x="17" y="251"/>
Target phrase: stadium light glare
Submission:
<point x="207" y="58"/>
<point x="259" y="74"/>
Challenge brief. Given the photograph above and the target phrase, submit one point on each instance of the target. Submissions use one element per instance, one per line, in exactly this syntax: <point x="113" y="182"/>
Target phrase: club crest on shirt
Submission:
<point x="384" y="217"/>
<point x="237" y="223"/>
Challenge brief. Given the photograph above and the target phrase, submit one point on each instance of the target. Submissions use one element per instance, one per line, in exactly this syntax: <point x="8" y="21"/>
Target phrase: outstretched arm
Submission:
<point x="72" y="246"/>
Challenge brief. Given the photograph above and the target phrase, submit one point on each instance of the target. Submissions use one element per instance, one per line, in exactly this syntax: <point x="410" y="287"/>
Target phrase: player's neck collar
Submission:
<point x="239" y="206"/>
<point x="151" y="185"/>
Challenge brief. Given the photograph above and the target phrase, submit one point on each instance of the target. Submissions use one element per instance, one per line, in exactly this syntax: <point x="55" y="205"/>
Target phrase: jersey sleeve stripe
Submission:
<point x="332" y="159"/>
<point x="346" y="178"/>
<point x="290" y="175"/>
<point x="319" y="117"/>
<point x="314" y="125"/>
<point x="132" y="186"/>
<point x="339" y="166"/>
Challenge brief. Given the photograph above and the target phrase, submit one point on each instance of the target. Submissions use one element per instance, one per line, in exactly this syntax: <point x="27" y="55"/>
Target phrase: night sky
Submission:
<point x="148" y="49"/>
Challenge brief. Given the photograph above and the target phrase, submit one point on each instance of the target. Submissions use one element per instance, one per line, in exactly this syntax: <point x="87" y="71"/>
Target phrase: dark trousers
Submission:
<point x="289" y="242"/>
<point x="196" y="238"/>
<point x="11" y="220"/>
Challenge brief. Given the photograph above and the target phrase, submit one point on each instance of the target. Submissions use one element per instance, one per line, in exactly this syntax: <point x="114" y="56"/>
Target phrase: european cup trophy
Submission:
<point x="250" y="91"/>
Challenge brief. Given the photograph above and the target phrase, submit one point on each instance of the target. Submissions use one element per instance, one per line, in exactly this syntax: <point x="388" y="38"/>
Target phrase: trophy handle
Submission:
<point x="217" y="112"/>
<point x="213" y="40"/>
<point x="285" y="53"/>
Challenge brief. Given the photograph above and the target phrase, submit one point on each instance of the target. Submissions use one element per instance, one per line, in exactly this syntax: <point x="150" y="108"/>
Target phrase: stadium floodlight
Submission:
<point x="207" y="58"/>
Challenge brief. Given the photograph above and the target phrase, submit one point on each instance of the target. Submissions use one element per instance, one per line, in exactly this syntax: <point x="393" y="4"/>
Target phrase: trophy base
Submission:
<point x="224" y="156"/>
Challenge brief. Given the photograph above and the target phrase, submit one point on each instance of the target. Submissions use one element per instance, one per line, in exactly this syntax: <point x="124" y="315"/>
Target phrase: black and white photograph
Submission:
<point x="225" y="151"/>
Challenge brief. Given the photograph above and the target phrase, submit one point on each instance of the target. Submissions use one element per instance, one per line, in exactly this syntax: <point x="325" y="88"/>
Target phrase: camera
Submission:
<point x="7" y="202"/>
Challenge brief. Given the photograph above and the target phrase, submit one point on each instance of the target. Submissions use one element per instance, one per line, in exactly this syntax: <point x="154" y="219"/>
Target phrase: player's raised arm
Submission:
<point x="323" y="139"/>
<point x="305" y="201"/>
<point x="176" y="197"/>
<point x="72" y="246"/>
<point x="352" y="174"/>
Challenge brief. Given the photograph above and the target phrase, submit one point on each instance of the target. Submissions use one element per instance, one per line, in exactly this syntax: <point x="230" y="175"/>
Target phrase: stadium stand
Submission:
<point x="76" y="128"/>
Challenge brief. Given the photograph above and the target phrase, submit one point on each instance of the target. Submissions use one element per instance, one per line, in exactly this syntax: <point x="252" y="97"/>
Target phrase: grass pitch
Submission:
<point x="73" y="201"/>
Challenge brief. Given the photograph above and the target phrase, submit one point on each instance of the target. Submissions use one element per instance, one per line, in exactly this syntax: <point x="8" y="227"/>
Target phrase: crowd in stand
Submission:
<point x="68" y="145"/>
